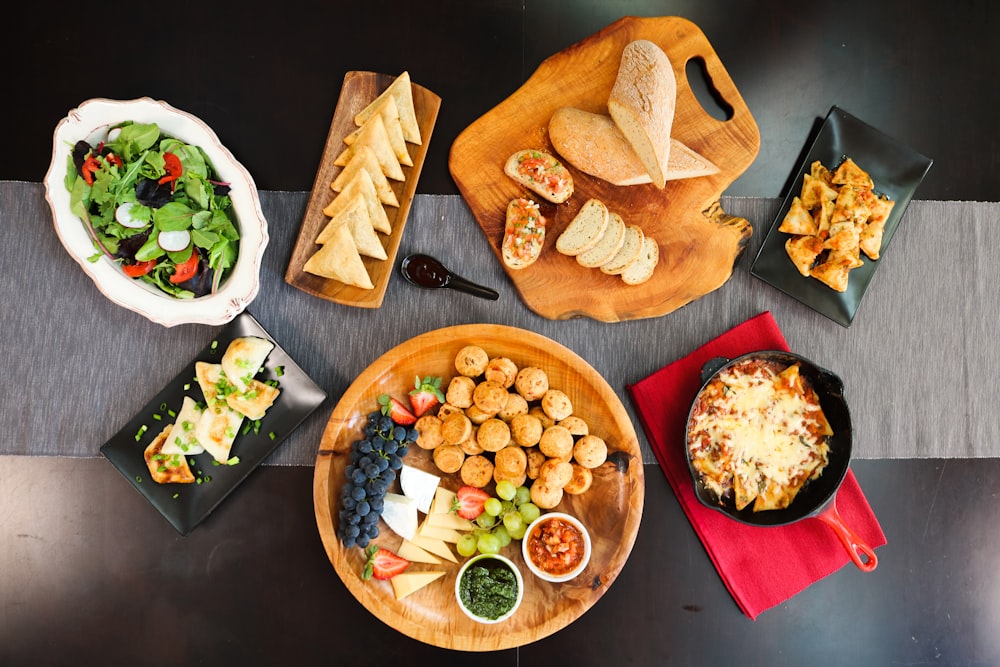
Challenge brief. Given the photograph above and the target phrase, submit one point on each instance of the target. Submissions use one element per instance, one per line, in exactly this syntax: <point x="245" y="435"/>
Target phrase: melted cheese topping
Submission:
<point x="758" y="432"/>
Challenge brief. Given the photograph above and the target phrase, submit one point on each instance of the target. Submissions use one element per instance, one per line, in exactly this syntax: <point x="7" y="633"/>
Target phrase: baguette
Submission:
<point x="628" y="253"/>
<point x="524" y="234"/>
<point x="593" y="144"/>
<point x="641" y="269"/>
<point x="585" y="229"/>
<point x="608" y="246"/>
<point x="642" y="104"/>
<point x="541" y="173"/>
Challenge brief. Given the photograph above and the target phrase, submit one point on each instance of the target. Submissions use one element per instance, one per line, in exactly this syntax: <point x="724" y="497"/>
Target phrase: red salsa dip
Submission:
<point x="556" y="546"/>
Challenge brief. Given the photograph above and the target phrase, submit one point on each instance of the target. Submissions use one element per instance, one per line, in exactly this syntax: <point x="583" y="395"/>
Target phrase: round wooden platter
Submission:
<point x="699" y="243"/>
<point x="611" y="508"/>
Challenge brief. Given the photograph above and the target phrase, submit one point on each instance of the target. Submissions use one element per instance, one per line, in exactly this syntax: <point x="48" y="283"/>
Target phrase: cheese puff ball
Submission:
<point x="493" y="435"/>
<point x="555" y="473"/>
<point x="515" y="405"/>
<point x="501" y="370"/>
<point x="456" y="428"/>
<point x="537" y="411"/>
<point x="581" y="480"/>
<point x="556" y="404"/>
<point x="489" y="396"/>
<point x="429" y="432"/>
<point x="459" y="392"/>
<point x="476" y="471"/>
<point x="576" y="425"/>
<point x="531" y="383"/>
<point x="511" y="460"/>
<point x="545" y="496"/>
<point x="556" y="443"/>
<point x="449" y="458"/>
<point x="535" y="460"/>
<point x="590" y="451"/>
<point x="471" y="361"/>
<point x="526" y="430"/>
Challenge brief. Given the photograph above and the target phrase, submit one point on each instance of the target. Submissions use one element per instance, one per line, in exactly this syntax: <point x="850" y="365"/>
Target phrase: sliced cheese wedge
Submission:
<point x="435" y="546"/>
<point x="419" y="485"/>
<point x="400" y="514"/>
<point x="415" y="554"/>
<point x="444" y="499"/>
<point x="444" y="534"/>
<point x="449" y="521"/>
<point x="410" y="582"/>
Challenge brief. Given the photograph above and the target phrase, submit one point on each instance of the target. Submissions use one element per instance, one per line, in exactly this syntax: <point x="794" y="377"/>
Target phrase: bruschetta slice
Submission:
<point x="524" y="234"/>
<point x="541" y="173"/>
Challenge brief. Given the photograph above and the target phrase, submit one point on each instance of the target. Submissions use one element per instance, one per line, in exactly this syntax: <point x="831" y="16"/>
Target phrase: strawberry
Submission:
<point x="426" y="395"/>
<point x="396" y="410"/>
<point x="382" y="563"/>
<point x="469" y="501"/>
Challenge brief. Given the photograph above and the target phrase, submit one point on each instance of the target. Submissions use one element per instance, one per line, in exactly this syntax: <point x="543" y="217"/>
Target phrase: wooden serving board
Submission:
<point x="358" y="90"/>
<point x="611" y="509"/>
<point x="699" y="243"/>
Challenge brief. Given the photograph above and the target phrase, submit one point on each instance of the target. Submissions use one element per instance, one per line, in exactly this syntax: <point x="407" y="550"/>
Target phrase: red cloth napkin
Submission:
<point x="761" y="566"/>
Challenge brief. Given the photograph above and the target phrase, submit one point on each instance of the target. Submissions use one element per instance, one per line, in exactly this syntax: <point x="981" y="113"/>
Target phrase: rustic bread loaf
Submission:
<point x="642" y="103"/>
<point x="641" y="270"/>
<point x="593" y="144"/>
<point x="585" y="229"/>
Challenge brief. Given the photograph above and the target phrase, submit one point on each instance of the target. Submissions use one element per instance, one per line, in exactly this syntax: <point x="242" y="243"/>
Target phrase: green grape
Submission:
<point x="467" y="544"/>
<point x="502" y="535"/>
<point x="518" y="533"/>
<point x="488" y="543"/>
<point x="493" y="507"/>
<point x="486" y="521"/>
<point x="512" y="521"/>
<point x="506" y="489"/>
<point x="522" y="495"/>
<point x="529" y="512"/>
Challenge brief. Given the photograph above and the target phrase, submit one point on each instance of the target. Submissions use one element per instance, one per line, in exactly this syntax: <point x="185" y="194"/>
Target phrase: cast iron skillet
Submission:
<point x="817" y="499"/>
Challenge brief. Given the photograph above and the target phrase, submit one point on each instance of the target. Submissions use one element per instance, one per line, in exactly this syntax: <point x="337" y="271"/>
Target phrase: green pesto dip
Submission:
<point x="488" y="588"/>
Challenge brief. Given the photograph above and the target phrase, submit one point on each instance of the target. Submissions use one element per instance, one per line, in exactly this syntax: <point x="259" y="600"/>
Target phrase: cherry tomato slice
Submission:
<point x="138" y="269"/>
<point x="187" y="270"/>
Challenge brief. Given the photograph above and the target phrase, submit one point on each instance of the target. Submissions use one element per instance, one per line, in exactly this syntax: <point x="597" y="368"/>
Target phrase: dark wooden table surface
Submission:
<point x="109" y="582"/>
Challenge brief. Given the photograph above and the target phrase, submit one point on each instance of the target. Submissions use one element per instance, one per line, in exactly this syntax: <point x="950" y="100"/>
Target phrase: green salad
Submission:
<point x="154" y="205"/>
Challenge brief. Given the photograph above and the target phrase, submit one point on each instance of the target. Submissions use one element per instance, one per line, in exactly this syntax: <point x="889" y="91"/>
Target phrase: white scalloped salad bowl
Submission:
<point x="91" y="121"/>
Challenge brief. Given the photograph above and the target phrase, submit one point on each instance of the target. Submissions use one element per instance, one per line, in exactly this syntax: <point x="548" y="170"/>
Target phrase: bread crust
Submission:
<point x="541" y="173"/>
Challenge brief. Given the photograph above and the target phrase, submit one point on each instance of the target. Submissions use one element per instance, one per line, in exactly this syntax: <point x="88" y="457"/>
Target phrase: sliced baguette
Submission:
<point x="607" y="247"/>
<point x="642" y="104"/>
<point x="593" y="144"/>
<point x="641" y="270"/>
<point x="585" y="229"/>
<point x="541" y="173"/>
<point x="628" y="253"/>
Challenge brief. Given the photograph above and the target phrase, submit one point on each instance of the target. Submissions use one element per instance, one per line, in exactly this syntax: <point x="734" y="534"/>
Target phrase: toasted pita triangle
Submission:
<point x="355" y="214"/>
<point x="401" y="91"/>
<point x="338" y="259"/>
<point x="373" y="134"/>
<point x="393" y="127"/>
<point x="361" y="183"/>
<point x="798" y="220"/>
<point x="365" y="159"/>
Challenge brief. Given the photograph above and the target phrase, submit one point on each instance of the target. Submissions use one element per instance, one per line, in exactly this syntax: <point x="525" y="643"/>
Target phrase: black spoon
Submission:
<point x="426" y="271"/>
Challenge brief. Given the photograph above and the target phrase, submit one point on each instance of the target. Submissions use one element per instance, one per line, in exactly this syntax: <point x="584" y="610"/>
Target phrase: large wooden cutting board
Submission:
<point x="699" y="243"/>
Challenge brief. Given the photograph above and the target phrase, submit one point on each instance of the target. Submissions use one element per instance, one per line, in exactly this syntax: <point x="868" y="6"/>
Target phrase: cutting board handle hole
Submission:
<point x="705" y="92"/>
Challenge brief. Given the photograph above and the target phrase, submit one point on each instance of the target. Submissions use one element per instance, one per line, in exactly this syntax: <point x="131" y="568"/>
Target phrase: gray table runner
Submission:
<point x="919" y="363"/>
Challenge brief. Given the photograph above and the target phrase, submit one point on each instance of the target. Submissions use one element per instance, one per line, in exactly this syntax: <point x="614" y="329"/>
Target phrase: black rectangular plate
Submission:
<point x="897" y="171"/>
<point x="187" y="505"/>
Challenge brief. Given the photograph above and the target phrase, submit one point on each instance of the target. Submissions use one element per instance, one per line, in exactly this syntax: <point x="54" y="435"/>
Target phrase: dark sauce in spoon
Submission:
<point x="425" y="271"/>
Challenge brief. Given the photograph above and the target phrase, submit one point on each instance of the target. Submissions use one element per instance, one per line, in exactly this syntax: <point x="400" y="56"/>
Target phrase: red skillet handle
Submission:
<point x="854" y="545"/>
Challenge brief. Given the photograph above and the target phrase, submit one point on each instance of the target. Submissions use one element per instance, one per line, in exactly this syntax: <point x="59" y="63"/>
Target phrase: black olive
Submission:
<point x="150" y="192"/>
<point x="80" y="151"/>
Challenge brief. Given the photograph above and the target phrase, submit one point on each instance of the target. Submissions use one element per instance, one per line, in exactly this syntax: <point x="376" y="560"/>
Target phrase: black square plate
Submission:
<point x="897" y="171"/>
<point x="187" y="505"/>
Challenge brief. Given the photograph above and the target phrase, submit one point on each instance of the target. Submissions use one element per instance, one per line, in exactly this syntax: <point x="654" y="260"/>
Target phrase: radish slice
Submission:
<point x="174" y="241"/>
<point x="123" y="214"/>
